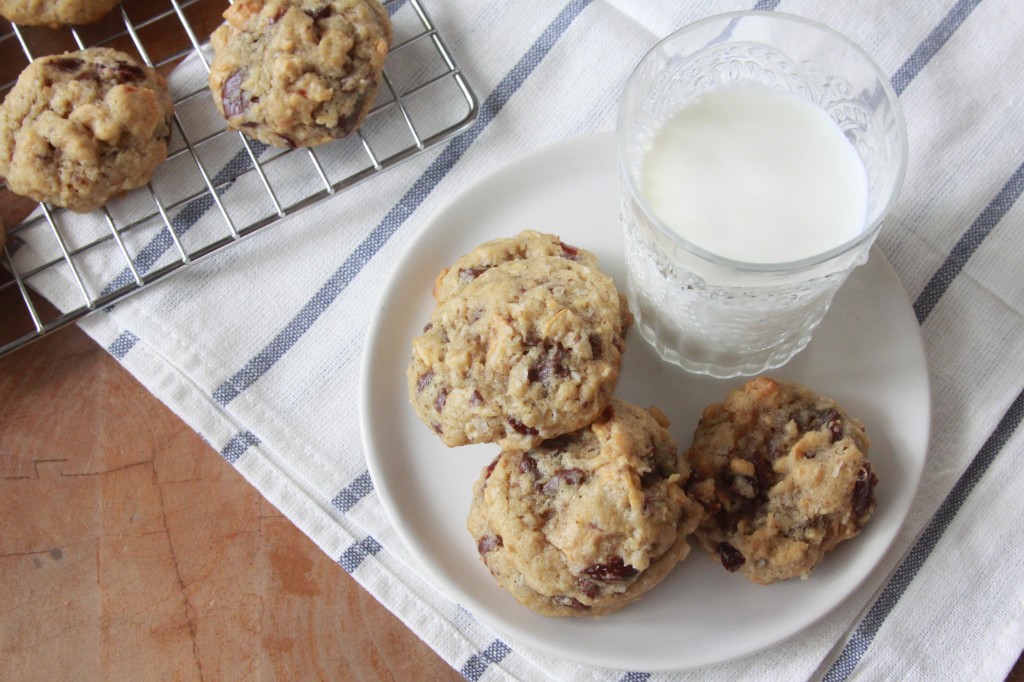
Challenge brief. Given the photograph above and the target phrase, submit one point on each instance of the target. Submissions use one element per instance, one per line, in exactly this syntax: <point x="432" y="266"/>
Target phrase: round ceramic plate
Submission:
<point x="867" y="354"/>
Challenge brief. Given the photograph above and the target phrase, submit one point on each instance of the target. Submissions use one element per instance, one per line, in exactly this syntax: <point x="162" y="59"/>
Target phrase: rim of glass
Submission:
<point x="804" y="263"/>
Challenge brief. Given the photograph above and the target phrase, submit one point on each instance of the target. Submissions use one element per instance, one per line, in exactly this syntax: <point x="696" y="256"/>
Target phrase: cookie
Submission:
<point x="586" y="523"/>
<point x="79" y="127"/>
<point x="787" y="479"/>
<point x="528" y="350"/>
<point x="297" y="73"/>
<point x="526" y="244"/>
<point x="54" y="13"/>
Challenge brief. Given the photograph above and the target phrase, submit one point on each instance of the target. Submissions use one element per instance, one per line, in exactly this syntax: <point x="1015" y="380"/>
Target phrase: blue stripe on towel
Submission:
<point x="122" y="345"/>
<point x="640" y="677"/>
<point x="261" y="363"/>
<point x="477" y="664"/>
<point x="353" y="492"/>
<point x="908" y="568"/>
<point x="968" y="244"/>
<point x="932" y="44"/>
<point x="238" y="444"/>
<point x="352" y="557"/>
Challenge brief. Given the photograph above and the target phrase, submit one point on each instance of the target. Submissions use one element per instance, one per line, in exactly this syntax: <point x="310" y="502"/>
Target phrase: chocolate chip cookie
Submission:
<point x="528" y="350"/>
<point x="586" y="523"/>
<point x="787" y="479"/>
<point x="79" y="127"/>
<point x="54" y="13"/>
<point x="297" y="73"/>
<point x="526" y="244"/>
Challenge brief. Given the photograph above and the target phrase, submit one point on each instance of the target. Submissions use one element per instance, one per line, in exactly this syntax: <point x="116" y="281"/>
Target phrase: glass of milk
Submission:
<point x="759" y="154"/>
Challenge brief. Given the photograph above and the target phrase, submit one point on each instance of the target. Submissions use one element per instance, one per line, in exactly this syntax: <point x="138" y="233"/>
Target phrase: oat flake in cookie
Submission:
<point x="529" y="350"/>
<point x="79" y="127"/>
<point x="788" y="478"/>
<point x="297" y="73"/>
<point x="586" y="523"/>
<point x="53" y="13"/>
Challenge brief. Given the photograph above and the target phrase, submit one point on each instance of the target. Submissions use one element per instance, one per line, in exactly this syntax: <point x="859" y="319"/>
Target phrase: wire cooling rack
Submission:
<point x="146" y="235"/>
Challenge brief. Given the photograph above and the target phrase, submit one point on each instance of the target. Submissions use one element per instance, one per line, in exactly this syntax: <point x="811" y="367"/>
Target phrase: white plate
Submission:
<point x="867" y="354"/>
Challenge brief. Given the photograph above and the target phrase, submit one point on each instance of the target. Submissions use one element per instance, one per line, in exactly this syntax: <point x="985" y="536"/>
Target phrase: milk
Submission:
<point x="755" y="175"/>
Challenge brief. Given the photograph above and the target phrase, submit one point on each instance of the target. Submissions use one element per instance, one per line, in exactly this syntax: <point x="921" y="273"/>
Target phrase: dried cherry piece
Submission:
<point x="489" y="543"/>
<point x="551" y="366"/>
<point x="423" y="380"/>
<point x="490" y="467"/>
<point x="521" y="428"/>
<point x="731" y="557"/>
<point x="571" y="476"/>
<point x="863" y="490"/>
<point x="469" y="274"/>
<point x="596" y="347"/>
<point x="834" y="423"/>
<point x="475" y="399"/>
<point x="232" y="97"/>
<point x="527" y="465"/>
<point x="763" y="471"/>
<point x="570" y="252"/>
<point x="616" y="570"/>
<point x="440" y="400"/>
<point x="587" y="586"/>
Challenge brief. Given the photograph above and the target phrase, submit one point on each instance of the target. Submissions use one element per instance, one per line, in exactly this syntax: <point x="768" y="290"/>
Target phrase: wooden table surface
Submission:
<point x="129" y="549"/>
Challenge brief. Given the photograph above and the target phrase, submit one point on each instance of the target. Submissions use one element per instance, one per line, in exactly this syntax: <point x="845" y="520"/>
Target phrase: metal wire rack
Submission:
<point x="424" y="100"/>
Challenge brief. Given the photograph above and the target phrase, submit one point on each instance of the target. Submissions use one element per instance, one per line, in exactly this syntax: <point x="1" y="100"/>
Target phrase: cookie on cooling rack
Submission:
<point x="788" y="478"/>
<point x="79" y="127"/>
<point x="529" y="350"/>
<point x="586" y="523"/>
<point x="55" y="13"/>
<point x="297" y="73"/>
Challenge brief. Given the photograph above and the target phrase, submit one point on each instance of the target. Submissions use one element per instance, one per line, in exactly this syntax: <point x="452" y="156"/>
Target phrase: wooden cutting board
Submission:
<point x="129" y="549"/>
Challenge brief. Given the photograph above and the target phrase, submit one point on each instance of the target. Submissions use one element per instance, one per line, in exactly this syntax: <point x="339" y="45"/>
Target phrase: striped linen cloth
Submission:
<point x="236" y="344"/>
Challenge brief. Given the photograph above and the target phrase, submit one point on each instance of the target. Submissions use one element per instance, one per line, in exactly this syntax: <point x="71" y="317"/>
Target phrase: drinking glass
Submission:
<point x="722" y="317"/>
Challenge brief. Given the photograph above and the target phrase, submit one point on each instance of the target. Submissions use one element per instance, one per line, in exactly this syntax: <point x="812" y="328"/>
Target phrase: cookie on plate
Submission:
<point x="54" y="13"/>
<point x="79" y="127"/>
<point x="586" y="523"/>
<point x="526" y="244"/>
<point x="788" y="478"/>
<point x="528" y="350"/>
<point x="297" y="73"/>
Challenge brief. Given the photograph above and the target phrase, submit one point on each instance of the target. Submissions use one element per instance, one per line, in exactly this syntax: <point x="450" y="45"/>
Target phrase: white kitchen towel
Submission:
<point x="259" y="348"/>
